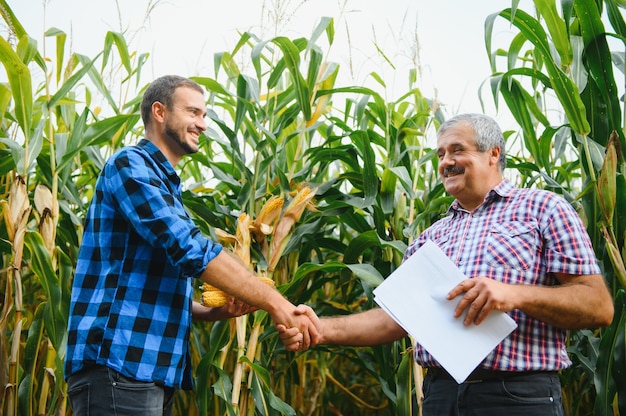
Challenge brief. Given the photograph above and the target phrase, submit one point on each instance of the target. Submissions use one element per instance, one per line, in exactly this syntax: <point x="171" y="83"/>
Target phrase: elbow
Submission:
<point x="603" y="307"/>
<point x="602" y="315"/>
<point x="606" y="316"/>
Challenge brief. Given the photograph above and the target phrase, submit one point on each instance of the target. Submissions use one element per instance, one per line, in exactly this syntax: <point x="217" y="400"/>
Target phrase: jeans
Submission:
<point x="101" y="391"/>
<point x="533" y="394"/>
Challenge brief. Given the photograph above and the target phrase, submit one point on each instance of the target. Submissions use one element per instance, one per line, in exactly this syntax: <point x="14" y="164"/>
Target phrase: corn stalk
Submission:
<point x="271" y="230"/>
<point x="16" y="214"/>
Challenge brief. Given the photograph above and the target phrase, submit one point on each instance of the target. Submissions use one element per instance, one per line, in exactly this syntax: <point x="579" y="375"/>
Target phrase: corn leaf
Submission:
<point x="291" y="57"/>
<point x="598" y="62"/>
<point x="94" y="134"/>
<point x="564" y="88"/>
<point x="558" y="31"/>
<point x="606" y="387"/>
<point x="20" y="83"/>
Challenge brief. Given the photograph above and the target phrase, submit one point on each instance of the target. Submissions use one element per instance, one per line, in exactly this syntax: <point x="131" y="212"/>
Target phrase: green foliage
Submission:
<point x="572" y="61"/>
<point x="282" y="127"/>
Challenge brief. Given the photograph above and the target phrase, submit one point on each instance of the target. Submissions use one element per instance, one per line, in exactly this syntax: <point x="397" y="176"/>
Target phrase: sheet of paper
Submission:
<point x="415" y="296"/>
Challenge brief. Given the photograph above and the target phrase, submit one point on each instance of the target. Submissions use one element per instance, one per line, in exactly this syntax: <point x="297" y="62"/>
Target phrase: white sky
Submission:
<point x="183" y="35"/>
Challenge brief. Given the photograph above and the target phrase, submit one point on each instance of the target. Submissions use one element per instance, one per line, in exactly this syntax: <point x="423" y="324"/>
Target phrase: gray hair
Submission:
<point x="487" y="133"/>
<point x="162" y="89"/>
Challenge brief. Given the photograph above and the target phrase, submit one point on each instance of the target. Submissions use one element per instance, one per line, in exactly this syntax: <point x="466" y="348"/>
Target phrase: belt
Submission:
<point x="482" y="375"/>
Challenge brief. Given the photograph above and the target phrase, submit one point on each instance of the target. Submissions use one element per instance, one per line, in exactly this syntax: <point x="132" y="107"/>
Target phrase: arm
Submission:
<point x="160" y="219"/>
<point x="369" y="328"/>
<point x="228" y="274"/>
<point x="579" y="302"/>
<point x="232" y="309"/>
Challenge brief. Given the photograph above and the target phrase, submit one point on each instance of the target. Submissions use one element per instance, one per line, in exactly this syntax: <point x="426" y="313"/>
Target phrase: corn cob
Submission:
<point x="213" y="297"/>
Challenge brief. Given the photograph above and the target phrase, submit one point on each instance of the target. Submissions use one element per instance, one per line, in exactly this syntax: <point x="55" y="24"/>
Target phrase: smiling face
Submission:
<point x="466" y="172"/>
<point x="175" y="128"/>
<point x="184" y="122"/>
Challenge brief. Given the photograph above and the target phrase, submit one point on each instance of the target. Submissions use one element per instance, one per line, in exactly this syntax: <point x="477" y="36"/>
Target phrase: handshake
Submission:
<point x="301" y="339"/>
<point x="299" y="328"/>
<point x="304" y="333"/>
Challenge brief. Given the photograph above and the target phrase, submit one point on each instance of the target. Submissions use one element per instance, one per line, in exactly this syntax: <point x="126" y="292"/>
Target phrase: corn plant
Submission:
<point x="49" y="135"/>
<point x="285" y="131"/>
<point x="280" y="127"/>
<point x="559" y="61"/>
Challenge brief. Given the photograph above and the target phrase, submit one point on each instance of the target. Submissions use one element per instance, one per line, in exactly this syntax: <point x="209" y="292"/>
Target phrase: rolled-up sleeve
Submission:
<point x="153" y="207"/>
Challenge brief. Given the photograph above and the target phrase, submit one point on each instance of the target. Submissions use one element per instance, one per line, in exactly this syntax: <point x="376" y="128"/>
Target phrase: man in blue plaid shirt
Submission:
<point x="131" y="306"/>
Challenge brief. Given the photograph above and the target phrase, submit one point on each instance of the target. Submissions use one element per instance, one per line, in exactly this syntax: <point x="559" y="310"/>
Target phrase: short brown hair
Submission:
<point x="162" y="89"/>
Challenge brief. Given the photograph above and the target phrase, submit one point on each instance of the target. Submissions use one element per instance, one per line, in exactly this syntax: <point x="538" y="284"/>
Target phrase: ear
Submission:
<point x="494" y="155"/>
<point x="158" y="112"/>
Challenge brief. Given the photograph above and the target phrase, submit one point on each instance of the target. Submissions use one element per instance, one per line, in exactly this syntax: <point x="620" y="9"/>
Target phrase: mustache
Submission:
<point x="453" y="170"/>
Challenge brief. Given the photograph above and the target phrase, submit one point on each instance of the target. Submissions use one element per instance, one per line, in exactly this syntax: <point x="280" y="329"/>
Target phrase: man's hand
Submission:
<point x="303" y="320"/>
<point x="235" y="307"/>
<point x="292" y="338"/>
<point x="481" y="296"/>
<point x="231" y="309"/>
<point x="579" y="301"/>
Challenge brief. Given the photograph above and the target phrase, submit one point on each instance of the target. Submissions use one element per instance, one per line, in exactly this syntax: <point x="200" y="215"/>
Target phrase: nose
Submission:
<point x="201" y="123"/>
<point x="446" y="158"/>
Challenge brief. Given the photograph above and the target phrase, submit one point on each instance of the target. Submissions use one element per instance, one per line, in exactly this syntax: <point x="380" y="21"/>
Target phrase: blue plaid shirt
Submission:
<point x="132" y="292"/>
<point x="517" y="236"/>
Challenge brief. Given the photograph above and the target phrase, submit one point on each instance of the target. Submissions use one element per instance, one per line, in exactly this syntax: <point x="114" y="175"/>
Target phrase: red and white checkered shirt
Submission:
<point x="516" y="236"/>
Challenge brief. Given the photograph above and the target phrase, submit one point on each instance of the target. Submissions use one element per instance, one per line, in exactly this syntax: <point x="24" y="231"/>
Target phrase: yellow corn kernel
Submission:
<point x="207" y="287"/>
<point x="266" y="280"/>
<point x="214" y="298"/>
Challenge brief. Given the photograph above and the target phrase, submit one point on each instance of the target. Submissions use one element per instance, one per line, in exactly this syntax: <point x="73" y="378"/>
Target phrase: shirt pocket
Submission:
<point x="512" y="245"/>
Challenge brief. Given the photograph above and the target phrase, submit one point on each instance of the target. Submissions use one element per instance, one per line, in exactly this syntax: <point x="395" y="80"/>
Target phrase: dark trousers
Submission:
<point x="530" y="394"/>
<point x="101" y="391"/>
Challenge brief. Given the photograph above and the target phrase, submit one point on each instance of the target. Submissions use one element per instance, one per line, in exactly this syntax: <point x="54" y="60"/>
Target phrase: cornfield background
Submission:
<point x="364" y="167"/>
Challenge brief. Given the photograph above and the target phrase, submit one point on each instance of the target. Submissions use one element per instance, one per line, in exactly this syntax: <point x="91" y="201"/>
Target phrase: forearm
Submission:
<point x="202" y="313"/>
<point x="228" y="274"/>
<point x="373" y="327"/>
<point x="584" y="304"/>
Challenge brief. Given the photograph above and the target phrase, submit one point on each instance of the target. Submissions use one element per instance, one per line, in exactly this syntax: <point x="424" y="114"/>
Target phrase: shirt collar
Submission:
<point x="158" y="157"/>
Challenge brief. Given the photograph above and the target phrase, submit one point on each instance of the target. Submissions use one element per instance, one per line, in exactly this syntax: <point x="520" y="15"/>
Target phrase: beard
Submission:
<point x="175" y="137"/>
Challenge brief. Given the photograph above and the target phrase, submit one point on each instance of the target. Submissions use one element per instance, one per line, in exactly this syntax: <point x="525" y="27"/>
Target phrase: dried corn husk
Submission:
<point x="266" y="220"/>
<point x="17" y="210"/>
<point x="292" y="214"/>
<point x="45" y="205"/>
<point x="242" y="243"/>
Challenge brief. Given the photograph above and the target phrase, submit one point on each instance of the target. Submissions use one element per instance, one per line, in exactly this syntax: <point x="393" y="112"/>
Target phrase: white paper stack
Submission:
<point x="415" y="297"/>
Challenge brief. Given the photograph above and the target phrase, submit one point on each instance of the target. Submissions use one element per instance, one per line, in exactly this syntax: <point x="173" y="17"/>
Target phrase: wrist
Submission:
<point x="278" y="307"/>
